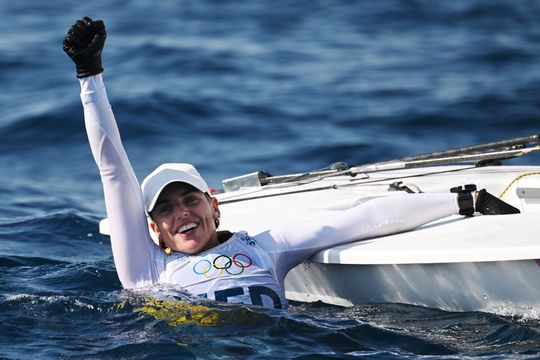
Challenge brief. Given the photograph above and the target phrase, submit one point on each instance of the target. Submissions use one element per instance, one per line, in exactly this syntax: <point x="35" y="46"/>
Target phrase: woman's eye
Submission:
<point x="190" y="200"/>
<point x="164" y="209"/>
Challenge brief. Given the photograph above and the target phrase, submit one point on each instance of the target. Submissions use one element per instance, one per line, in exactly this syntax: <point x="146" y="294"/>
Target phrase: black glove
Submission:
<point x="485" y="204"/>
<point x="84" y="43"/>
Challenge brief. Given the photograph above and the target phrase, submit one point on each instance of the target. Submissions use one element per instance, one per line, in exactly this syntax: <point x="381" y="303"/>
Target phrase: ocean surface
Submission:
<point x="235" y="87"/>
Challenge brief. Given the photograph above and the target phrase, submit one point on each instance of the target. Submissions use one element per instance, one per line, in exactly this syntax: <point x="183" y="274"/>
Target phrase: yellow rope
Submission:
<point x="516" y="179"/>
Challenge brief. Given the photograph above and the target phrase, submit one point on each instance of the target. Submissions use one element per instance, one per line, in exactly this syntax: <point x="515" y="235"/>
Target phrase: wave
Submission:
<point x="465" y="333"/>
<point x="53" y="240"/>
<point x="61" y="126"/>
<point x="61" y="220"/>
<point x="153" y="328"/>
<point x="122" y="325"/>
<point x="15" y="261"/>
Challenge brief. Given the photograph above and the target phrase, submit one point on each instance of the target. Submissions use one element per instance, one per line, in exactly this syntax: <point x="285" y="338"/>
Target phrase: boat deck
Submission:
<point x="450" y="240"/>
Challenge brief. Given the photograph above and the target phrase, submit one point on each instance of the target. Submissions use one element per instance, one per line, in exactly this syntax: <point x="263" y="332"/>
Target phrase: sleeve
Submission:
<point x="133" y="249"/>
<point x="292" y="244"/>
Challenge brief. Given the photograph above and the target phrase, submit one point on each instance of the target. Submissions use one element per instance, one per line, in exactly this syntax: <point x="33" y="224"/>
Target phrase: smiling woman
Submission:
<point x="184" y="219"/>
<point x="223" y="266"/>
<point x="183" y="215"/>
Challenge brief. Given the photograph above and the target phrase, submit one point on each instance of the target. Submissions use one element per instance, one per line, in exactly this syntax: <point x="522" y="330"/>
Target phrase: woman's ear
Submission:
<point x="215" y="207"/>
<point x="155" y="228"/>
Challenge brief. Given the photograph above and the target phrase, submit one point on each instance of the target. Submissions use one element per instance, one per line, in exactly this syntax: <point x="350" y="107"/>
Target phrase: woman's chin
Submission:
<point x="189" y="246"/>
<point x="194" y="242"/>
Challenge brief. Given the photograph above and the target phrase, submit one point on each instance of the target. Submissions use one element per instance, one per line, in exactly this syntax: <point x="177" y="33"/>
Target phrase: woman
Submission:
<point x="176" y="201"/>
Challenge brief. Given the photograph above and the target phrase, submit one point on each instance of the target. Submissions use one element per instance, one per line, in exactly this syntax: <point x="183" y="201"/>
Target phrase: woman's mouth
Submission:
<point x="185" y="229"/>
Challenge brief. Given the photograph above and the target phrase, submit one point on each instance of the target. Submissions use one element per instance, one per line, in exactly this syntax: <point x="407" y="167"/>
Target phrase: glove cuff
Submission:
<point x="465" y="198"/>
<point x="85" y="70"/>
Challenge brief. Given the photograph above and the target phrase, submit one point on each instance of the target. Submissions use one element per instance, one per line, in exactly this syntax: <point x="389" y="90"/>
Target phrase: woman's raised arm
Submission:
<point x="132" y="246"/>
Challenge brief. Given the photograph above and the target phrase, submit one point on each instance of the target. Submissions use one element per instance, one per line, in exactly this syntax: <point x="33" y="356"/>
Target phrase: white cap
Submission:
<point x="168" y="173"/>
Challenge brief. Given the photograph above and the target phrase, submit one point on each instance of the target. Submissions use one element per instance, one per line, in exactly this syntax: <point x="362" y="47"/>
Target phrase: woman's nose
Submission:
<point x="181" y="210"/>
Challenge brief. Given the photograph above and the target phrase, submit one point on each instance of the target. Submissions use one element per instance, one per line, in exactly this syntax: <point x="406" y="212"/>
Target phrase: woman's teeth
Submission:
<point x="187" y="227"/>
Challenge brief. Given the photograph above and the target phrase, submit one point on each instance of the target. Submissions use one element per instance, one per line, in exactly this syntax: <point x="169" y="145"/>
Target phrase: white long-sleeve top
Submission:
<point x="244" y="269"/>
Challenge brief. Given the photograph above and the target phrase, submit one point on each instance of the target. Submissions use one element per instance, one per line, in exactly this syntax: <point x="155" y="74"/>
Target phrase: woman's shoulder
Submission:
<point x="246" y="238"/>
<point x="227" y="237"/>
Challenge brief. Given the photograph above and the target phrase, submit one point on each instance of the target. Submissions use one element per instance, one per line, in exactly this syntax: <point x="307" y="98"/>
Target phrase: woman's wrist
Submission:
<point x="466" y="200"/>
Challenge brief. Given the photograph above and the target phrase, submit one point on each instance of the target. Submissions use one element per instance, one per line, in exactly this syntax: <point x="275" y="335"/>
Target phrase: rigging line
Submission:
<point x="510" y="144"/>
<point x="516" y="179"/>
<point x="395" y="165"/>
<point x="354" y="182"/>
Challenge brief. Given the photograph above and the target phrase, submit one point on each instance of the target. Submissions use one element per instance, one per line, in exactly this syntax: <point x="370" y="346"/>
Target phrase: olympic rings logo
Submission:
<point x="222" y="264"/>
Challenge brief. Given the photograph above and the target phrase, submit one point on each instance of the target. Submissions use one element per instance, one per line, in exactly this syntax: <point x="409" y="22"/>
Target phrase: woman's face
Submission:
<point x="184" y="218"/>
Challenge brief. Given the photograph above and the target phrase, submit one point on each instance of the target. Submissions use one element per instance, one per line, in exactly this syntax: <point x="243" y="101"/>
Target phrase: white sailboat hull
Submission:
<point x="494" y="286"/>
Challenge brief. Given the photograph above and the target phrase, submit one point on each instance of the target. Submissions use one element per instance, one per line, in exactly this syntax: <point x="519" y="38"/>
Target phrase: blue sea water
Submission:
<point x="235" y="87"/>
